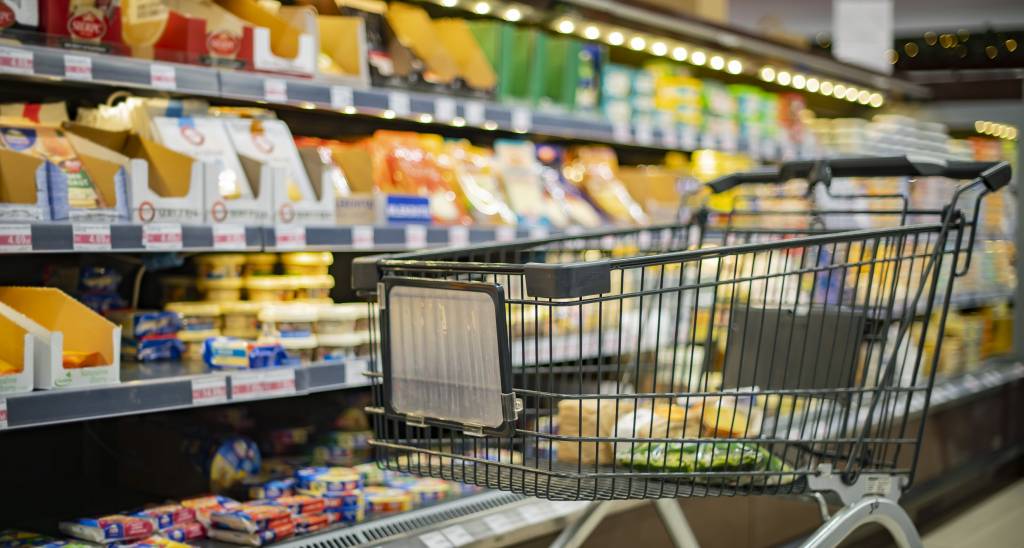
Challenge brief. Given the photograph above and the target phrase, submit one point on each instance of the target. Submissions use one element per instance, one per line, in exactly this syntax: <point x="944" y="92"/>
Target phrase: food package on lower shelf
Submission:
<point x="520" y="174"/>
<point x="475" y="174"/>
<point x="73" y="345"/>
<point x="109" y="529"/>
<point x="406" y="163"/>
<point x="577" y="209"/>
<point x="594" y="170"/>
<point x="250" y="518"/>
<point x="149" y="335"/>
<point x="207" y="505"/>
<point x="167" y="516"/>
<point x="206" y="139"/>
<point x="229" y="353"/>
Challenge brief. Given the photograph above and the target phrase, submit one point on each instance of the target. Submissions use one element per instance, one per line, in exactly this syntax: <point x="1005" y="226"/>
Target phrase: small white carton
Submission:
<point x="16" y="349"/>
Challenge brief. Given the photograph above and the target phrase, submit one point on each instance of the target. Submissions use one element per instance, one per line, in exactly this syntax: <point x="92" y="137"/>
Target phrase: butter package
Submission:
<point x="300" y="505"/>
<point x="250" y="518"/>
<point x="207" y="505"/>
<point x="168" y="515"/>
<point x="386" y="499"/>
<point x="49" y="143"/>
<point x="271" y="142"/>
<point x="336" y="480"/>
<point x="230" y="353"/>
<point x="108" y="529"/>
<point x="185" y="532"/>
<point x="276" y="531"/>
<point x="272" y="489"/>
<point x="205" y="139"/>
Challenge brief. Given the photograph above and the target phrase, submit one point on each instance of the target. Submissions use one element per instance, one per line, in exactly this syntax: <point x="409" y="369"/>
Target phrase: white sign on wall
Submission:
<point x="862" y="31"/>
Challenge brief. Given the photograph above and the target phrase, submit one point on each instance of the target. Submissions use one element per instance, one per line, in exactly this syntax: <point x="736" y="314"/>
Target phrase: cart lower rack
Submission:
<point x="651" y="363"/>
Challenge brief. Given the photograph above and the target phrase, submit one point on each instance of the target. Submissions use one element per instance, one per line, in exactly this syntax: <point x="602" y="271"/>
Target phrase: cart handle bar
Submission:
<point x="994" y="175"/>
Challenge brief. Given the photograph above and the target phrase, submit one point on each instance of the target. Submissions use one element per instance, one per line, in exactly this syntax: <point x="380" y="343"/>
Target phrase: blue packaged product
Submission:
<point x="233" y="461"/>
<point x="303" y="476"/>
<point x="164" y="348"/>
<point x="232" y="353"/>
<point x="272" y="489"/>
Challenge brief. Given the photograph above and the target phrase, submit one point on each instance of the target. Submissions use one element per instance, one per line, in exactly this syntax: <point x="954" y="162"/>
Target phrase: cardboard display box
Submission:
<point x="16" y="351"/>
<point x="24" y="191"/>
<point x="59" y="324"/>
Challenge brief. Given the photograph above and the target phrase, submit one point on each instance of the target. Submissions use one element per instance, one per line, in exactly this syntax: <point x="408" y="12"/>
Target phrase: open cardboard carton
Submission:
<point x="16" y="348"/>
<point x="59" y="323"/>
<point x="286" y="41"/>
<point x="315" y="210"/>
<point x="163" y="185"/>
<point x="24" y="191"/>
<point x="343" y="42"/>
<point x="256" y="210"/>
<point x="368" y="205"/>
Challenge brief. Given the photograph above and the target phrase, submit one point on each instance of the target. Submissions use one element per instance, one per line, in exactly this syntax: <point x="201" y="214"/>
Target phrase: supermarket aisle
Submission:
<point x="997" y="522"/>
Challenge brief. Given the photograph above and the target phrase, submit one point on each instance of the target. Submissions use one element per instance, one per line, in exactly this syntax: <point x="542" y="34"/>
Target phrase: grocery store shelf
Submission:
<point x="149" y="388"/>
<point x="493" y="517"/>
<point x="60" y="237"/>
<point x="269" y="89"/>
<point x="759" y="47"/>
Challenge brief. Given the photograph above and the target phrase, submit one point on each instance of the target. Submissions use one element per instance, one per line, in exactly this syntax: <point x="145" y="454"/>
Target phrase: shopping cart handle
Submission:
<point x="994" y="175"/>
<point x="733" y="180"/>
<point x="894" y="166"/>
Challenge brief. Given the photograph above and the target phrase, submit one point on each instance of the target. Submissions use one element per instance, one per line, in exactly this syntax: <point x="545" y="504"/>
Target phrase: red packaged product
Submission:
<point x="250" y="517"/>
<point x="310" y="523"/>
<point x="301" y="505"/>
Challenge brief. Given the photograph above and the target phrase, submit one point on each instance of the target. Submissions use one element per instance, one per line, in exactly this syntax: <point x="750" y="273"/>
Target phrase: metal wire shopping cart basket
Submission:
<point x="701" y="359"/>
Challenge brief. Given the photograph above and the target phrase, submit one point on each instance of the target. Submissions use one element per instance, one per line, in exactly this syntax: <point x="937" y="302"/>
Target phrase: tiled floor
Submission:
<point x="997" y="522"/>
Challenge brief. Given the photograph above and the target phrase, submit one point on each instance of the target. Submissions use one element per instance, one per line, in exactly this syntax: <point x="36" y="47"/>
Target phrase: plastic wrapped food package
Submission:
<point x="592" y="169"/>
<point x="270" y="288"/>
<point x="307" y="263"/>
<point x="241" y="319"/>
<point x="313" y="288"/>
<point x="291" y="325"/>
<point x="220" y="266"/>
<point x="260" y="264"/>
<point x="199" y="321"/>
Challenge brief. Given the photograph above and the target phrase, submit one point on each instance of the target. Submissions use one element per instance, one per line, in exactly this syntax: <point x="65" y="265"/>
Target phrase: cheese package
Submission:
<point x="109" y="529"/>
<point x="250" y="518"/>
<point x="520" y="176"/>
<point x="406" y="163"/>
<point x="477" y="179"/>
<point x="49" y="143"/>
<point x="273" y="532"/>
<point x="205" y="139"/>
<point x="271" y="142"/>
<point x="593" y="169"/>
<point x="167" y="516"/>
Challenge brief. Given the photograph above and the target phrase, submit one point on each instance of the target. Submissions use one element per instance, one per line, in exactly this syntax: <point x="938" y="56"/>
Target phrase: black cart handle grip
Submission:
<point x="995" y="175"/>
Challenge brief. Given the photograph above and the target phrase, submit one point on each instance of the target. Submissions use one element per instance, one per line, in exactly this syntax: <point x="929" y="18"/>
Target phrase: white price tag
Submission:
<point x="458" y="235"/>
<point x="362" y="237"/>
<point x="228" y="237"/>
<point x="90" y="237"/>
<point x="499" y="523"/>
<point x="415" y="236"/>
<point x="15" y="238"/>
<point x="621" y="132"/>
<point x="476" y="113"/>
<point x="522" y="119"/>
<point x="354" y="371"/>
<point x="457" y="535"/>
<point x="275" y="90"/>
<point x="444" y="109"/>
<point x="505" y="233"/>
<point x="341" y="97"/>
<point x="538" y="232"/>
<point x="399" y="102"/>
<point x="162" y="76"/>
<point x="3" y="414"/>
<point x="436" y="539"/>
<point x="210" y="390"/>
<point x="289" y="237"/>
<point x="16" y="61"/>
<point x="535" y="513"/>
<point x="162" y="236"/>
<point x="265" y="384"/>
<point x="77" y="67"/>
<point x="644" y="133"/>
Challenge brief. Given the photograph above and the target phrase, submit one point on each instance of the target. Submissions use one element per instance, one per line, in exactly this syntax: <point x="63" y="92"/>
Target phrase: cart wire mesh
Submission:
<point x="701" y="359"/>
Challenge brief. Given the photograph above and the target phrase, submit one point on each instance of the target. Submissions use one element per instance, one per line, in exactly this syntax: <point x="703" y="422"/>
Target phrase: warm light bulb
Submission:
<point x="717" y="63"/>
<point x="698" y="58"/>
<point x="481" y="8"/>
<point x="637" y="43"/>
<point x="839" y="91"/>
<point x="616" y="38"/>
<point x="449" y="3"/>
<point x="826" y="88"/>
<point x="813" y="85"/>
<point x="389" y="114"/>
<point x="784" y="78"/>
<point x="851" y="94"/>
<point x="566" y="26"/>
<point x="768" y="74"/>
<point x="512" y="15"/>
<point x="734" y="67"/>
<point x="864" y="97"/>
<point x="679" y="53"/>
<point x="659" y="49"/>
<point x="799" y="81"/>
<point x="591" y="32"/>
<point x="426" y="118"/>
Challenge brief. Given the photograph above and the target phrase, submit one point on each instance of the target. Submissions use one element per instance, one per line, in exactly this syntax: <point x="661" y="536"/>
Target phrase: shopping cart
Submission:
<point x="677" y="361"/>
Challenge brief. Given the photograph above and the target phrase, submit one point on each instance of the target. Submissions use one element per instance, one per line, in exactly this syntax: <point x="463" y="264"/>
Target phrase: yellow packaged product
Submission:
<point x="307" y="263"/>
<point x="313" y="288"/>
<point x="220" y="266"/>
<point x="199" y="321"/>
<point x="342" y="318"/>
<point x="270" y="288"/>
<point x="593" y="169"/>
<point x="241" y="319"/>
<point x="291" y="325"/>
<point x="260" y="264"/>
<point x="220" y="289"/>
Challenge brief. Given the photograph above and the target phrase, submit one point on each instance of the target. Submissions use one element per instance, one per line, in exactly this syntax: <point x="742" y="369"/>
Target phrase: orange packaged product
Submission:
<point x="403" y="164"/>
<point x="593" y="169"/>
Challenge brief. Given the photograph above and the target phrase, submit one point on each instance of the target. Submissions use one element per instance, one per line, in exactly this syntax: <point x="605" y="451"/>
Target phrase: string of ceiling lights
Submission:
<point x="995" y="129"/>
<point x="669" y="48"/>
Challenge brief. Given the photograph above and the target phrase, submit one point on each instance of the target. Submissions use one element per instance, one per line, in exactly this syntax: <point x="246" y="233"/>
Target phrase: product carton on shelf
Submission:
<point x="73" y="346"/>
<point x="16" y="352"/>
<point x="162" y="185"/>
<point x="343" y="48"/>
<point x="256" y="207"/>
<point x="368" y="205"/>
<point x="284" y="41"/>
<point x="24" y="193"/>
